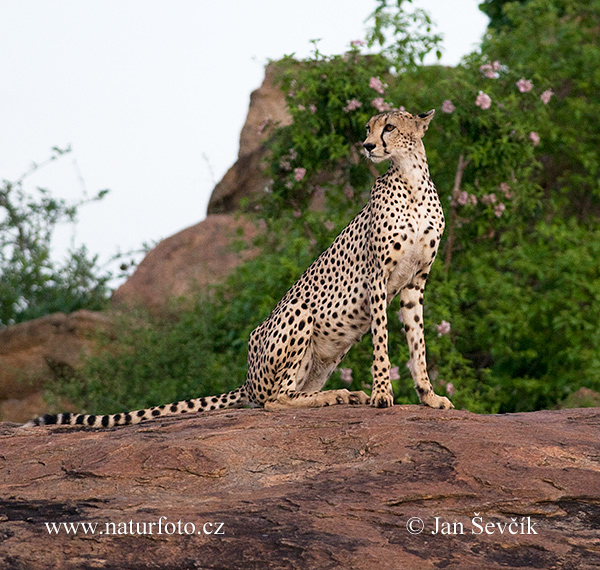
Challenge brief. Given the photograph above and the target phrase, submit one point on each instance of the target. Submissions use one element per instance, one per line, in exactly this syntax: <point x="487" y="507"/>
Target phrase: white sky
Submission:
<point x="152" y="95"/>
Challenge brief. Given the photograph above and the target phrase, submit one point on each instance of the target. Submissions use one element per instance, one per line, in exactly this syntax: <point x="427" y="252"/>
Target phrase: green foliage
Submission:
<point x="494" y="9"/>
<point x="156" y="360"/>
<point x="32" y="283"/>
<point x="557" y="41"/>
<point x="404" y="37"/>
<point x="512" y="305"/>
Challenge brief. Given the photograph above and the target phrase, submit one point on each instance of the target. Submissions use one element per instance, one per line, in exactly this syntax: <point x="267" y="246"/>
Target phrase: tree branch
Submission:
<point x="462" y="164"/>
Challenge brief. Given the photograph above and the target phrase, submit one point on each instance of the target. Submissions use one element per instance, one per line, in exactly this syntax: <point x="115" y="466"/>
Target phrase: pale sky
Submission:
<point x="152" y="95"/>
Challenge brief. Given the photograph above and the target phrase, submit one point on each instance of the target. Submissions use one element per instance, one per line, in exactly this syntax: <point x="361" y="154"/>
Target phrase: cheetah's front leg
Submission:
<point x="412" y="315"/>
<point x="382" y="395"/>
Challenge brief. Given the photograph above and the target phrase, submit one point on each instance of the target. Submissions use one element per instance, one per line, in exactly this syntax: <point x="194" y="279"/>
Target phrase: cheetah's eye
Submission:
<point x="388" y="128"/>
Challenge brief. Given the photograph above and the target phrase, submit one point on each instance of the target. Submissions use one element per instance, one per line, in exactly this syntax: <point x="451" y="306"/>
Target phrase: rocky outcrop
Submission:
<point x="245" y="178"/>
<point x="330" y="488"/>
<point x="187" y="262"/>
<point x="36" y="351"/>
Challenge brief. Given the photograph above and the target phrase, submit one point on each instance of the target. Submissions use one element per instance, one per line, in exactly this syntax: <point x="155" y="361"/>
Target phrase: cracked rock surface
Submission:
<point x="330" y="488"/>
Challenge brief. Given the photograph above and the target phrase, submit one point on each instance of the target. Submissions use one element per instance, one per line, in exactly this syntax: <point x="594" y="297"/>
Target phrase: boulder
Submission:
<point x="187" y="262"/>
<point x="331" y="488"/>
<point x="246" y="178"/>
<point x="39" y="350"/>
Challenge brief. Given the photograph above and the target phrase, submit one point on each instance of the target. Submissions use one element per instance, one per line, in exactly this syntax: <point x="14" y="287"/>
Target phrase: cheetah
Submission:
<point x="386" y="250"/>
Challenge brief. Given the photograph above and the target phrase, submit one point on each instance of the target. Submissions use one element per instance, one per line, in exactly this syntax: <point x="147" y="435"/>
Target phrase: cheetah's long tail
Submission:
<point x="234" y="399"/>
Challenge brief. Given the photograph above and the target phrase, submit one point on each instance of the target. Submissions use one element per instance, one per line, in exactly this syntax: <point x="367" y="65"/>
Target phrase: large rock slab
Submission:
<point x="326" y="488"/>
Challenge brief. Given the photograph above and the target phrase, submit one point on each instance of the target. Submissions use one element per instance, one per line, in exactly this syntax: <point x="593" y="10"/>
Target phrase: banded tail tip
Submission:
<point x="48" y="419"/>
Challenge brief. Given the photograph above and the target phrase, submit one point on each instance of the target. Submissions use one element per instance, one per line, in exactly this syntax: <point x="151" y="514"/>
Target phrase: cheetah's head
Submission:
<point x="395" y="134"/>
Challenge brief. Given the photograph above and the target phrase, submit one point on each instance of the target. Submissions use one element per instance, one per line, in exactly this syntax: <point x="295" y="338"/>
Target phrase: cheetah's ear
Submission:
<point x="423" y="120"/>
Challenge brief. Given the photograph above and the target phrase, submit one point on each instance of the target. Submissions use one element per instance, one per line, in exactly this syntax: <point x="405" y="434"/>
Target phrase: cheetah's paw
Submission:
<point x="382" y="400"/>
<point x="344" y="396"/>
<point x="358" y="398"/>
<point x="438" y="402"/>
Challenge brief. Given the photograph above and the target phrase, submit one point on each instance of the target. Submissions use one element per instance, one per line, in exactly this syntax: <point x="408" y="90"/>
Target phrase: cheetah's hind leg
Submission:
<point x="292" y="399"/>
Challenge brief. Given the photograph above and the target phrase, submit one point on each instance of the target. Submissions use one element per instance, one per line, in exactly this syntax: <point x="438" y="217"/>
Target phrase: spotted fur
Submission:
<point x="386" y="250"/>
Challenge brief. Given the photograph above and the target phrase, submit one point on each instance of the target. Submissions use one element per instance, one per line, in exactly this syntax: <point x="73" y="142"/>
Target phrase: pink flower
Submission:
<point x="546" y="96"/>
<point x="450" y="389"/>
<point x="484" y="101"/>
<point x="489" y="198"/>
<point x="293" y="154"/>
<point x="380" y="104"/>
<point x="463" y="198"/>
<point x="352" y="104"/>
<point x="498" y="209"/>
<point x="329" y="225"/>
<point x="348" y="192"/>
<point x="524" y="85"/>
<point x="297" y="214"/>
<point x="312" y="108"/>
<point x="487" y="70"/>
<point x="505" y="189"/>
<point x="377" y="84"/>
<point x="299" y="173"/>
<point x="285" y="165"/>
<point x="395" y="373"/>
<point x="357" y="43"/>
<point x="346" y="375"/>
<point x="443" y="328"/>
<point x="448" y="107"/>
<point x="535" y="138"/>
<point x="399" y="315"/>
<point x="496" y="66"/>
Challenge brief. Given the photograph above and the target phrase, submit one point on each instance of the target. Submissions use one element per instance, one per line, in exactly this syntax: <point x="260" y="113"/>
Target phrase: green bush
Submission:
<point x="32" y="282"/>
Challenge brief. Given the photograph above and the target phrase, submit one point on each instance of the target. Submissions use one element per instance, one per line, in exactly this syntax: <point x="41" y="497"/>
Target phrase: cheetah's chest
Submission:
<point x="413" y="242"/>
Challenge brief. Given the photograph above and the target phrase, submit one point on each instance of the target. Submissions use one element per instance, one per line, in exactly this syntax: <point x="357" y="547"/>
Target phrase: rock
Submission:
<point x="245" y="178"/>
<point x="33" y="352"/>
<point x="329" y="488"/>
<point x="187" y="262"/>
<point x="582" y="398"/>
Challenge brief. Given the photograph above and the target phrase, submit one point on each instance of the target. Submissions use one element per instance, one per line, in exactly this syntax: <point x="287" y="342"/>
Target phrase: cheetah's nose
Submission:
<point x="368" y="146"/>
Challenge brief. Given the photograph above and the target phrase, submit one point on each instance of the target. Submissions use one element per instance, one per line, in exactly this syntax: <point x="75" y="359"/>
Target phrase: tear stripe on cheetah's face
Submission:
<point x="396" y="135"/>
